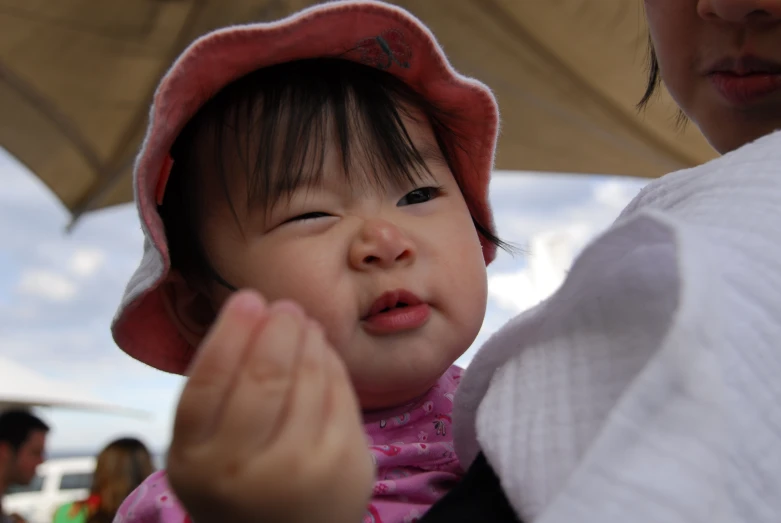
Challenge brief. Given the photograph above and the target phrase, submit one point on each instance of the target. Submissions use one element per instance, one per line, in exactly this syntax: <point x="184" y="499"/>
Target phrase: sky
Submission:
<point x="59" y="291"/>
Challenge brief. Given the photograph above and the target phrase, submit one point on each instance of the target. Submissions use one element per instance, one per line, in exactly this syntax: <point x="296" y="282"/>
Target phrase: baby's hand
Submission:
<point x="268" y="427"/>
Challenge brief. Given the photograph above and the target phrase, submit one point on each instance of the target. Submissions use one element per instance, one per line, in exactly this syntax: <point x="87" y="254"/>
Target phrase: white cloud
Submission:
<point x="85" y="262"/>
<point x="514" y="292"/>
<point x="615" y="194"/>
<point x="46" y="284"/>
<point x="555" y="239"/>
<point x="551" y="254"/>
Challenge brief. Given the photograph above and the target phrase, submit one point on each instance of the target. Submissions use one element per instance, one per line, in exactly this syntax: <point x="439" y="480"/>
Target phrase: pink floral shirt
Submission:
<point x="412" y="447"/>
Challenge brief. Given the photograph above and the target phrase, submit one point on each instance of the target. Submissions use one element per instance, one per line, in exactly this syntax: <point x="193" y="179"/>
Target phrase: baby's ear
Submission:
<point x="189" y="308"/>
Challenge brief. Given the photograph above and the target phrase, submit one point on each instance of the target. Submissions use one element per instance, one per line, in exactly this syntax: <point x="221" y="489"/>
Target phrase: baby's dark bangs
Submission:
<point x="281" y="120"/>
<point x="278" y="122"/>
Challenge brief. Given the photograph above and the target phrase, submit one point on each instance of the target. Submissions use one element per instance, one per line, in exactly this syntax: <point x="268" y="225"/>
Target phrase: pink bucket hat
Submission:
<point x="368" y="32"/>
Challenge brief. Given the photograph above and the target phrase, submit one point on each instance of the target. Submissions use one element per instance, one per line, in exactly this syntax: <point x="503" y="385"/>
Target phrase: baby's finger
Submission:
<point x="258" y="401"/>
<point x="341" y="404"/>
<point x="342" y="434"/>
<point x="215" y="367"/>
<point x="308" y="397"/>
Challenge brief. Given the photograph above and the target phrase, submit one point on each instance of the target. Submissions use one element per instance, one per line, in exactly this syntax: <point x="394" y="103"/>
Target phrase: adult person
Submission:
<point x="645" y="389"/>
<point x="22" y="448"/>
<point x="721" y="62"/>
<point x="121" y="467"/>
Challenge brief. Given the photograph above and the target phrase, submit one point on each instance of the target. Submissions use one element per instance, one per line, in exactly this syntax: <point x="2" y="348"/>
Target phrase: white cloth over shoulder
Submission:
<point x="648" y="388"/>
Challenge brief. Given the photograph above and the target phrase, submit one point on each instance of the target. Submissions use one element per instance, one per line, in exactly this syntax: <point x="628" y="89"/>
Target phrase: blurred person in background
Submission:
<point x="22" y="446"/>
<point x="121" y="467"/>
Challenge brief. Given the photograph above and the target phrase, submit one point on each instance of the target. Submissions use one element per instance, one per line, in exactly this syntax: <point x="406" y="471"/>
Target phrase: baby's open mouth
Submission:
<point x="396" y="312"/>
<point x="397" y="299"/>
<point x="399" y="305"/>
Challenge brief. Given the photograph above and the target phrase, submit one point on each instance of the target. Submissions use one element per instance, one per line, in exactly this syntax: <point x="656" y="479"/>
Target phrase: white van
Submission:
<point x="58" y="481"/>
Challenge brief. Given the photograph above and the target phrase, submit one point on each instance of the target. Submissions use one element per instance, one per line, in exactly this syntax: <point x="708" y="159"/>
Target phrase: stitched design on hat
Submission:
<point x="383" y="50"/>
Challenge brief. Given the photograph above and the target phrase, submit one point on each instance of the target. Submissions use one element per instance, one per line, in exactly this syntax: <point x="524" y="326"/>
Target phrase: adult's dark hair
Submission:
<point x="653" y="80"/>
<point x="279" y="121"/>
<point x="16" y="427"/>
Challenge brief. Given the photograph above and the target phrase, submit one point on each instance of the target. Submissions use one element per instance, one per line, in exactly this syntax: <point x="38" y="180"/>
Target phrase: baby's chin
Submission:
<point x="396" y="387"/>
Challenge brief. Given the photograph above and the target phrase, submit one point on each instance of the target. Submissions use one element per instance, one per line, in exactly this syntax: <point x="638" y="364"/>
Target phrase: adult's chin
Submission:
<point x="733" y="135"/>
<point x="728" y="127"/>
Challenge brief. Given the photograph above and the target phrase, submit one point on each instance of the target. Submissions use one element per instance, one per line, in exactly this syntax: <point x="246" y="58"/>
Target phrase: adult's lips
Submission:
<point x="745" y="80"/>
<point x="744" y="66"/>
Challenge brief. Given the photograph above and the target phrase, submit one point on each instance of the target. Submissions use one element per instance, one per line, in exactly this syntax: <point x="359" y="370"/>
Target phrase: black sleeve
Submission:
<point x="477" y="498"/>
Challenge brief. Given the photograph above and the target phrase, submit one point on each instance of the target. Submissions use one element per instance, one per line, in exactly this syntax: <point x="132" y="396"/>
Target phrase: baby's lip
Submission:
<point x="391" y="299"/>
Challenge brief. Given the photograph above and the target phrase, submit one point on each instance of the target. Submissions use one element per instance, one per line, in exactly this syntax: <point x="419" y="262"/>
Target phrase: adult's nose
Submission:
<point x="740" y="11"/>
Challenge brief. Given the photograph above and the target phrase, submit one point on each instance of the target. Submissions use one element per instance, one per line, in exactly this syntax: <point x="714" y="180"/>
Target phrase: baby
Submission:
<point x="314" y="197"/>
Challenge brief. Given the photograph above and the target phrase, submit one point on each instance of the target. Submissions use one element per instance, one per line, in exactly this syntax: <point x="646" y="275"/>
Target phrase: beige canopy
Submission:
<point x="76" y="79"/>
<point x="21" y="387"/>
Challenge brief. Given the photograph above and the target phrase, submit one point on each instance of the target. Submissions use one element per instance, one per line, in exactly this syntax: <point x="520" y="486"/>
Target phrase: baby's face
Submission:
<point x="396" y="277"/>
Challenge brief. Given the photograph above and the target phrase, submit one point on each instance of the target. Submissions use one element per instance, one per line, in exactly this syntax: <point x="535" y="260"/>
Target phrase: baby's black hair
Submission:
<point x="278" y="120"/>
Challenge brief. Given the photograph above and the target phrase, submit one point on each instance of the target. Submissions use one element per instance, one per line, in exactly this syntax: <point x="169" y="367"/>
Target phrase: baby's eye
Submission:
<point x="307" y="216"/>
<point x="421" y="195"/>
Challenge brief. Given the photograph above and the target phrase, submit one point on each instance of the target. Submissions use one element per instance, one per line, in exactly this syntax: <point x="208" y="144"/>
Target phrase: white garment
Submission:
<point x="648" y="388"/>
